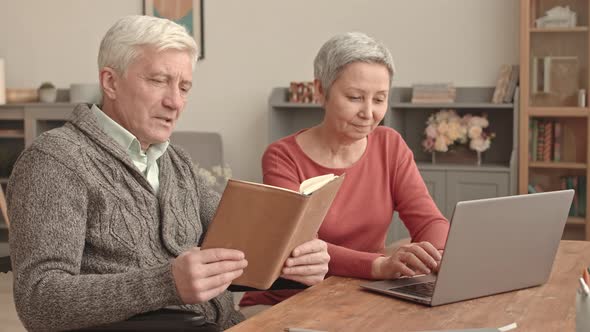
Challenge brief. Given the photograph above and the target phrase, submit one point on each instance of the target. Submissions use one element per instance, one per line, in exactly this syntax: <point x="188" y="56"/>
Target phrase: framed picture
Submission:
<point x="188" y="13"/>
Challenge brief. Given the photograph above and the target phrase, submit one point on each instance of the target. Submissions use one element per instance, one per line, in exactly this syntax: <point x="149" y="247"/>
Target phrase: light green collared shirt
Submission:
<point x="146" y="162"/>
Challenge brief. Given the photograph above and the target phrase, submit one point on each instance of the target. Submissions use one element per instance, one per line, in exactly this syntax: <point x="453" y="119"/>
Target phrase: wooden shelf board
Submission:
<point x="38" y="104"/>
<point x="459" y="105"/>
<point x="12" y="133"/>
<point x="3" y="180"/>
<point x="575" y="29"/>
<point x="558" y="111"/>
<point x="288" y="105"/>
<point x="556" y="164"/>
<point x="576" y="221"/>
<point x="485" y="167"/>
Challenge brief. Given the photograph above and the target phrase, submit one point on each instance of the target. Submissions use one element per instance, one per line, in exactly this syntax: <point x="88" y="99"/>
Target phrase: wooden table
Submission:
<point x="338" y="304"/>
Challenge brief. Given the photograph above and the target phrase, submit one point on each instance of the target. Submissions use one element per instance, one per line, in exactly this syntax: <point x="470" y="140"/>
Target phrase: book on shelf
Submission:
<point x="582" y="196"/>
<point x="267" y="223"/>
<point x="572" y="183"/>
<point x="535" y="75"/>
<point x="535" y="139"/>
<point x="535" y="188"/>
<point x="545" y="140"/>
<point x="547" y="74"/>
<point x="548" y="141"/>
<point x="512" y="83"/>
<point x="557" y="139"/>
<point x="425" y="93"/>
<point x="565" y="82"/>
<point x="540" y="140"/>
<point x="540" y="81"/>
<point x="501" y="84"/>
<point x="578" y="183"/>
<point x="556" y="76"/>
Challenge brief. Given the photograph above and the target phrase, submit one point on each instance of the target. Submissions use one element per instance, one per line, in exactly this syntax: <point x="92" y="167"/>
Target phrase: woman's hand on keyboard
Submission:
<point x="408" y="260"/>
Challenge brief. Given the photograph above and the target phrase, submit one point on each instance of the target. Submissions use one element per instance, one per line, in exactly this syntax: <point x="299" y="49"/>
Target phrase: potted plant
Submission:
<point x="47" y="93"/>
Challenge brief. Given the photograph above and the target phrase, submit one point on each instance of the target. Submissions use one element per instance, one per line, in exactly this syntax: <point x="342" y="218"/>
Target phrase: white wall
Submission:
<point x="252" y="46"/>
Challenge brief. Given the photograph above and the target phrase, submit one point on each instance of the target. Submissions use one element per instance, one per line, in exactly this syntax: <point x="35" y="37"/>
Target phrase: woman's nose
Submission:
<point x="366" y="110"/>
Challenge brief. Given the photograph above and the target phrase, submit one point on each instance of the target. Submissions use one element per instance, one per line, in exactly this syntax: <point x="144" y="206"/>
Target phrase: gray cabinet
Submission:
<point x="436" y="183"/>
<point x="450" y="186"/>
<point x="465" y="186"/>
<point x="455" y="184"/>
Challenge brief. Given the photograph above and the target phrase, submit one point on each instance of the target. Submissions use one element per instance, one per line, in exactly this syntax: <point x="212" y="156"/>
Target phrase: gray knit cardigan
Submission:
<point x="90" y="241"/>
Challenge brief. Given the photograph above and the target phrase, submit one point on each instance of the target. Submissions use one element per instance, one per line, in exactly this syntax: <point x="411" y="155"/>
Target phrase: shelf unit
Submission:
<point x="451" y="183"/>
<point x="447" y="183"/>
<point x="19" y="125"/>
<point x="549" y="92"/>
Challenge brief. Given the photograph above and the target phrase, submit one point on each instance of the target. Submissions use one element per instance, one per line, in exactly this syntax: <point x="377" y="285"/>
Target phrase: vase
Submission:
<point x="47" y="95"/>
<point x="457" y="155"/>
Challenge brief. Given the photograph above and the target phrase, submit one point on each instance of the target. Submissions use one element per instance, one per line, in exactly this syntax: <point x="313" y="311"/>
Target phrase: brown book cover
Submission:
<point x="267" y="223"/>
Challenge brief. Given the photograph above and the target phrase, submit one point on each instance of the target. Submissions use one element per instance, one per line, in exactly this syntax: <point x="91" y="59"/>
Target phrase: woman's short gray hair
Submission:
<point x="121" y="44"/>
<point x="346" y="48"/>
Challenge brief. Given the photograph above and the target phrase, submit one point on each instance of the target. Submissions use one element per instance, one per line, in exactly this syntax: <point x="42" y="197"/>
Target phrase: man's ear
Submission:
<point x="108" y="82"/>
<point x="318" y="91"/>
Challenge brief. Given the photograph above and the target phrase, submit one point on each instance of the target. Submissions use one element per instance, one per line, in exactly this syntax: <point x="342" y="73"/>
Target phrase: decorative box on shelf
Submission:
<point x="460" y="154"/>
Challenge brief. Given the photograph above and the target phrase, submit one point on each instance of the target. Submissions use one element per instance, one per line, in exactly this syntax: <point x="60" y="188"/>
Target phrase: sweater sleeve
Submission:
<point x="47" y="204"/>
<point x="350" y="263"/>
<point x="414" y="203"/>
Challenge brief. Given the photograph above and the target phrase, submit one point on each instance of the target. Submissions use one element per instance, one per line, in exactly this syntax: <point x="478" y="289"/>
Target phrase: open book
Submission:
<point x="267" y="223"/>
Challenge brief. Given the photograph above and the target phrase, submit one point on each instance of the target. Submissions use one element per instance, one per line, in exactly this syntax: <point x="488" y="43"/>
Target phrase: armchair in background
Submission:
<point x="204" y="148"/>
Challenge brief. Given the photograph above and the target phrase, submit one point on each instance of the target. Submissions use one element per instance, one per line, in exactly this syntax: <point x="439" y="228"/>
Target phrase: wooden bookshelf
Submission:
<point x="554" y="67"/>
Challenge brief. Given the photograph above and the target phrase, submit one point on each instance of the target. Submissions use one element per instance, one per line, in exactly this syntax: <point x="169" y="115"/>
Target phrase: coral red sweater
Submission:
<point x="384" y="179"/>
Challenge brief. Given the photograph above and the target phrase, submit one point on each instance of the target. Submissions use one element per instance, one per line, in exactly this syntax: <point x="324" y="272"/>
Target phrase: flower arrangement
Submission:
<point x="217" y="177"/>
<point x="446" y="127"/>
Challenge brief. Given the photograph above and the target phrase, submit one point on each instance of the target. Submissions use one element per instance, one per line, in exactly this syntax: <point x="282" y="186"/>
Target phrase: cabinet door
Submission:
<point x="435" y="182"/>
<point x="464" y="186"/>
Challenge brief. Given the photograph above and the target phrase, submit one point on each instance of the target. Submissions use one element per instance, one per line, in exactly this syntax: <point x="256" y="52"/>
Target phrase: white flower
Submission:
<point x="205" y="174"/>
<point x="475" y="132"/>
<point x="446" y="127"/>
<point x="479" y="144"/>
<point x="431" y="131"/>
<point x="478" y="121"/>
<point x="440" y="144"/>
<point x="442" y="128"/>
<point x="215" y="178"/>
<point x="462" y="135"/>
<point x="454" y="132"/>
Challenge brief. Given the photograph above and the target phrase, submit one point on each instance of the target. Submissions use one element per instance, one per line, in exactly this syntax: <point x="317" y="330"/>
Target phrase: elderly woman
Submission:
<point x="353" y="75"/>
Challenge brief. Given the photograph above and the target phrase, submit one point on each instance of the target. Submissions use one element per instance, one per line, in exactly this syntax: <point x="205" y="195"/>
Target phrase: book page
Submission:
<point x="312" y="184"/>
<point x="266" y="185"/>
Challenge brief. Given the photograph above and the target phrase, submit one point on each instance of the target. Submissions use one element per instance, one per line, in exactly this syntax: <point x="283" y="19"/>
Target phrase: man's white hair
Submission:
<point x="122" y="43"/>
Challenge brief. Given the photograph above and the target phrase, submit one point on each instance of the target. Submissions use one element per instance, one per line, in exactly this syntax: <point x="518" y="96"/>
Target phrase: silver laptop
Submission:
<point x="494" y="245"/>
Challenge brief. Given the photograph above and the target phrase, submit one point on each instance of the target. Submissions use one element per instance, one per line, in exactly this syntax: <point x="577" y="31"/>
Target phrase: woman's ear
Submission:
<point x="108" y="82"/>
<point x="318" y="91"/>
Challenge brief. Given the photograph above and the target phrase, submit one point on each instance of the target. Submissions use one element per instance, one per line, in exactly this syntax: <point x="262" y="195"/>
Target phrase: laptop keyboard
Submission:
<point x="424" y="289"/>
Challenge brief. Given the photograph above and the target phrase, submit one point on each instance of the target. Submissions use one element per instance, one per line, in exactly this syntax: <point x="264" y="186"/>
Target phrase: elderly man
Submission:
<point x="107" y="216"/>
